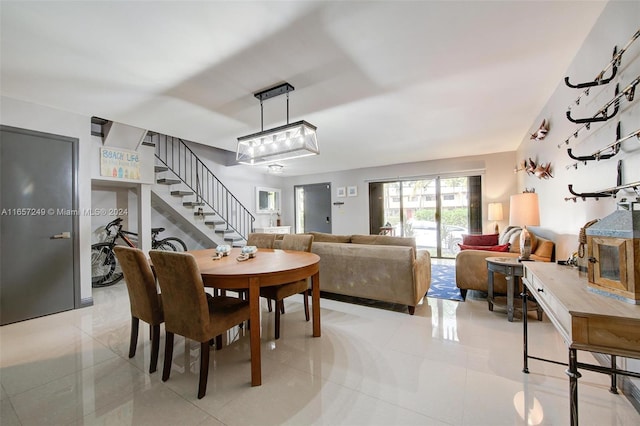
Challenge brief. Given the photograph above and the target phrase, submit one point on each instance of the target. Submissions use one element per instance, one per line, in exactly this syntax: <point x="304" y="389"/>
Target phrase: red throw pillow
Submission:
<point x="480" y="240"/>
<point x="503" y="247"/>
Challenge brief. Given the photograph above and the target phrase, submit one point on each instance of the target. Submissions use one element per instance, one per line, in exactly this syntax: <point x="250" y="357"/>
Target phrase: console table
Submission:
<point x="274" y="230"/>
<point x="586" y="322"/>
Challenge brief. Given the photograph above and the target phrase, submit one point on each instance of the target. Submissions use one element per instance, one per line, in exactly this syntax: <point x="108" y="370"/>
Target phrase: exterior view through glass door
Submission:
<point x="435" y="211"/>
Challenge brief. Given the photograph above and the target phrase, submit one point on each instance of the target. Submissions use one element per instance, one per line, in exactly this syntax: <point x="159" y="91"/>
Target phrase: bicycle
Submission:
<point x="104" y="265"/>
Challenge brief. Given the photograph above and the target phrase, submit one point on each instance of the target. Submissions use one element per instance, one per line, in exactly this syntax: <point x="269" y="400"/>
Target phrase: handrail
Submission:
<point x="186" y="165"/>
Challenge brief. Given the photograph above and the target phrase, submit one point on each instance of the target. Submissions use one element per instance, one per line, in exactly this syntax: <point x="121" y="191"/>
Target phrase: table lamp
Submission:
<point x="495" y="214"/>
<point x="523" y="212"/>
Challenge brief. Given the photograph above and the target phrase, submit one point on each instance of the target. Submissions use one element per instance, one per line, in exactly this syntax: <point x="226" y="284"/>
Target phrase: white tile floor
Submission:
<point x="450" y="364"/>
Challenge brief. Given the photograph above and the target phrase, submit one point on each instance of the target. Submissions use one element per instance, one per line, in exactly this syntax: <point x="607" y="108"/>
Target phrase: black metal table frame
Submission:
<point x="573" y="365"/>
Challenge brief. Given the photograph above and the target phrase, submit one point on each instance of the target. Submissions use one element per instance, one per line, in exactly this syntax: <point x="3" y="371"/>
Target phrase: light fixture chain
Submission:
<point x="287" y="107"/>
<point x="261" y="117"/>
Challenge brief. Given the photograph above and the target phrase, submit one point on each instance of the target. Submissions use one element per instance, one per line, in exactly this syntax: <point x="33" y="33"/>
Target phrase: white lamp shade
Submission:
<point x="524" y="210"/>
<point x="495" y="211"/>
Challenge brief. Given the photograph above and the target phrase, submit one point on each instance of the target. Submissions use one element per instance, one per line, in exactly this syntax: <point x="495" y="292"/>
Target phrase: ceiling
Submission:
<point x="385" y="82"/>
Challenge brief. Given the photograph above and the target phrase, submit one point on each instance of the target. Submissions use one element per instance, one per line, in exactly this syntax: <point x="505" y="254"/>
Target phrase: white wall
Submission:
<point x="619" y="21"/>
<point x="353" y="216"/>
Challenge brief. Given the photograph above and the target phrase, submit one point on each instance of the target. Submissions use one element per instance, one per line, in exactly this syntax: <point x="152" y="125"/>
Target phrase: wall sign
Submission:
<point x="120" y="164"/>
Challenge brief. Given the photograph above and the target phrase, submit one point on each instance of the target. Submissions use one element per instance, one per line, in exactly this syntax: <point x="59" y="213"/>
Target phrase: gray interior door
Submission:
<point x="38" y="224"/>
<point x="317" y="207"/>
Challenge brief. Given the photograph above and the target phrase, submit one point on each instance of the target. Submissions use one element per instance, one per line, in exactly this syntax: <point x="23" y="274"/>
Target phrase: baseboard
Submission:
<point x="629" y="387"/>
<point x="86" y="302"/>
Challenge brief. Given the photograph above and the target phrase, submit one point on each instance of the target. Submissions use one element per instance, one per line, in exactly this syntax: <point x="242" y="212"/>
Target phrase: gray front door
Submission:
<point x="316" y="207"/>
<point x="38" y="224"/>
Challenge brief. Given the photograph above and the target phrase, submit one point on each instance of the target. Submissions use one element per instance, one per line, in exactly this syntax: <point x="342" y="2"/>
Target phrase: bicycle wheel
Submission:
<point x="176" y="243"/>
<point x="103" y="266"/>
<point x="163" y="245"/>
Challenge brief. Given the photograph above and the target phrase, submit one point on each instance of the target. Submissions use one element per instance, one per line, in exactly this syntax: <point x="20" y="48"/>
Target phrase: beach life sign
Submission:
<point x="119" y="163"/>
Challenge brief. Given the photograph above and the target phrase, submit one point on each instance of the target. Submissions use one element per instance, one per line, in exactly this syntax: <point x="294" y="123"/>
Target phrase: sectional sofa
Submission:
<point x="378" y="267"/>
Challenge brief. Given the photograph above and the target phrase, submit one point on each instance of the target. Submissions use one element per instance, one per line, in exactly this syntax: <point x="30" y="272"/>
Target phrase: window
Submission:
<point x="435" y="211"/>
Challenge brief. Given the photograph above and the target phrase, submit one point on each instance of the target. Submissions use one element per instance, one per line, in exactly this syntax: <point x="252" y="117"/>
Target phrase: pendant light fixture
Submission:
<point x="280" y="143"/>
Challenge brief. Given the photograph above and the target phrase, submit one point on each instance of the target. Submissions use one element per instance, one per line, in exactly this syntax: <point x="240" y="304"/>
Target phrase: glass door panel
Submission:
<point x="454" y="213"/>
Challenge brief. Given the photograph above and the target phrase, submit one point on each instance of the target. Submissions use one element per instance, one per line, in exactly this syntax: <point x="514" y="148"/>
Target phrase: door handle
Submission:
<point x="61" y="236"/>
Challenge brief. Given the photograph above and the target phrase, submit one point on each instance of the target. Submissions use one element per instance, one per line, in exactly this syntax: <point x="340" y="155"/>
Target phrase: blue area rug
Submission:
<point x="443" y="283"/>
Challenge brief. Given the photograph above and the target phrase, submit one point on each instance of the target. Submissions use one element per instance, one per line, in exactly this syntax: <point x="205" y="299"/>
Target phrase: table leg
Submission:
<point x="510" y="291"/>
<point x="574" y="375"/>
<point x="525" y="328"/>
<point x="315" y="299"/>
<point x="490" y="289"/>
<point x="254" y="334"/>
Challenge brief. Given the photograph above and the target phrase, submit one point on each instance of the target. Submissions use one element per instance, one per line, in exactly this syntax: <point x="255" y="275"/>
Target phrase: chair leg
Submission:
<point x="168" y="355"/>
<point x="219" y="341"/>
<point x="305" y="296"/>
<point x="204" y="369"/>
<point x="282" y="306"/>
<point x="135" y="323"/>
<point x="277" y="330"/>
<point x="269" y="305"/>
<point x="155" y="347"/>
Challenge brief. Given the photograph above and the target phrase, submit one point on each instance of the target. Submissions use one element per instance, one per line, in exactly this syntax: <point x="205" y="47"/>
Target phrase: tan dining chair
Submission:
<point x="294" y="242"/>
<point x="261" y="240"/>
<point x="146" y="303"/>
<point x="189" y="312"/>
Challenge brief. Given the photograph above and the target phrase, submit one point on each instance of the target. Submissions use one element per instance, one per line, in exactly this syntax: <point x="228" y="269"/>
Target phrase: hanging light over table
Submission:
<point x="280" y="143"/>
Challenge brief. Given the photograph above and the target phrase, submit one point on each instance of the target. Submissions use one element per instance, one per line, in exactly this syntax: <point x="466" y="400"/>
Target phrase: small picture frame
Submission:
<point x="341" y="192"/>
<point x="352" y="191"/>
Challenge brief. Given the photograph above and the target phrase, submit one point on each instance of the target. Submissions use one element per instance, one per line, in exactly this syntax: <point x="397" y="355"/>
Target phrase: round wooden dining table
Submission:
<point x="269" y="267"/>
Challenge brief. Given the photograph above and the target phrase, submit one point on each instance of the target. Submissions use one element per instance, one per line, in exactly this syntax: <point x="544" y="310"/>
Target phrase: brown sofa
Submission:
<point x="378" y="267"/>
<point x="471" y="266"/>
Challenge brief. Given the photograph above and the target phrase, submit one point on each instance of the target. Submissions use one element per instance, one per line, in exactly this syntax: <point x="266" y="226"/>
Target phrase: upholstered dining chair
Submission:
<point x="261" y="240"/>
<point x="294" y="242"/>
<point x="189" y="312"/>
<point x="146" y="303"/>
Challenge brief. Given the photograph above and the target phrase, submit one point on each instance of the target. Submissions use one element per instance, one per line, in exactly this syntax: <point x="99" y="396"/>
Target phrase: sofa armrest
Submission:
<point x="422" y="273"/>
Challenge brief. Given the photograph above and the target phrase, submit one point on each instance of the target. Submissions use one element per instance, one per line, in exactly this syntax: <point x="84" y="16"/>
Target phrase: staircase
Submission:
<point x="186" y="186"/>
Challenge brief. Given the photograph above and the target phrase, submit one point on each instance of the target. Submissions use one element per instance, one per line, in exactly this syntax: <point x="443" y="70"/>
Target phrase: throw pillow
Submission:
<point x="480" y="240"/>
<point x="502" y="247"/>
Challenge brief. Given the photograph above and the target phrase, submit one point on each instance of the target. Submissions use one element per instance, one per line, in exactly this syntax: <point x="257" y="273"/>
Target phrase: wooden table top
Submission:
<point x="272" y="266"/>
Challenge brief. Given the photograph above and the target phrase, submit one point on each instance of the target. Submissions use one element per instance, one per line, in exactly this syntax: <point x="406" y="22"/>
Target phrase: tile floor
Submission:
<point x="452" y="363"/>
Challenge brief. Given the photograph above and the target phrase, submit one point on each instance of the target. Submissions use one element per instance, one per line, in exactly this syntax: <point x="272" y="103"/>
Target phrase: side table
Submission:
<point x="512" y="269"/>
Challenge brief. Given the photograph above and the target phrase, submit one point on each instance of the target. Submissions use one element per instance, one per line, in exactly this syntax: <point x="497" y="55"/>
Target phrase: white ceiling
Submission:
<point x="386" y="82"/>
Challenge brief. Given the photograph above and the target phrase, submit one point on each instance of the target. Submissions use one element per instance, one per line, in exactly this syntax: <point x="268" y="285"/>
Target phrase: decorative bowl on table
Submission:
<point x="223" y="249"/>
<point x="249" y="251"/>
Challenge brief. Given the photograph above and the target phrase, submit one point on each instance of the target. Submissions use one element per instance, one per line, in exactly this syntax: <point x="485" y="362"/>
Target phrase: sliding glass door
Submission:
<point x="435" y="211"/>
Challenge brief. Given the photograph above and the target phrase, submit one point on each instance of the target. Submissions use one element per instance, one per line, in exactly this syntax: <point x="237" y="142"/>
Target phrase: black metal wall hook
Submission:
<point x="599" y="80"/>
<point x="598" y="155"/>
<point x="602" y="114"/>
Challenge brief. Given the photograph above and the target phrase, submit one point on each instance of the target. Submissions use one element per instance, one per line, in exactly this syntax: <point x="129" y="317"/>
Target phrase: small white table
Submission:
<point x="274" y="230"/>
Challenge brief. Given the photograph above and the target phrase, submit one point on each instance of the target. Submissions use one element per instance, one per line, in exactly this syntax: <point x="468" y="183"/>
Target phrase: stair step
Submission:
<point x="193" y="203"/>
<point x="166" y="181"/>
<point x="160" y="169"/>
<point x="233" y="238"/>
<point x="204" y="213"/>
<point x="214" y="222"/>
<point x="181" y="193"/>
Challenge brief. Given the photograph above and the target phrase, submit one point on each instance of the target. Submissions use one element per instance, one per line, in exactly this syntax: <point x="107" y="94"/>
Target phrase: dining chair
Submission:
<point x="146" y="303"/>
<point x="189" y="312"/>
<point x="261" y="240"/>
<point x="294" y="242"/>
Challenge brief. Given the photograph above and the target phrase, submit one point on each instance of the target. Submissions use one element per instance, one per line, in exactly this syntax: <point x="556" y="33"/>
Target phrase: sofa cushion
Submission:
<point x="509" y="234"/>
<point x="501" y="247"/>
<point x="480" y="240"/>
<point x="544" y="249"/>
<point x="321" y="237"/>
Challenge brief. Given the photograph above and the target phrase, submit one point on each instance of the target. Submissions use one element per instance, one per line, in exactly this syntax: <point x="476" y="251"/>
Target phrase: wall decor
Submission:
<point x="352" y="191"/>
<point x="542" y="131"/>
<point x="341" y="191"/>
